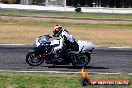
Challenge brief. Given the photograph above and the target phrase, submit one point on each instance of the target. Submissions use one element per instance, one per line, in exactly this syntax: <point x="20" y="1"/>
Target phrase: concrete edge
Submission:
<point x="31" y="45"/>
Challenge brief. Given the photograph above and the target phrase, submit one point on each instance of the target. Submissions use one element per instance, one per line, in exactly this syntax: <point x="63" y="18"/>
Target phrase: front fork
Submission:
<point x="39" y="54"/>
<point x="88" y="54"/>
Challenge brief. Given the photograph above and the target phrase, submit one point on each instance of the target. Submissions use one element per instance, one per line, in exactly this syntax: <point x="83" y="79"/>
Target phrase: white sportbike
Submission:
<point x="43" y="51"/>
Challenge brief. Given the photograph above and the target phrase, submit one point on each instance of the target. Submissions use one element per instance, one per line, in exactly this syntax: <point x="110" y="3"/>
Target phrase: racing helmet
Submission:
<point x="56" y="29"/>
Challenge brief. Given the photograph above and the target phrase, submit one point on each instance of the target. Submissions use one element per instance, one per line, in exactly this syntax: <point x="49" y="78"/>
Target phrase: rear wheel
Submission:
<point x="34" y="59"/>
<point x="80" y="60"/>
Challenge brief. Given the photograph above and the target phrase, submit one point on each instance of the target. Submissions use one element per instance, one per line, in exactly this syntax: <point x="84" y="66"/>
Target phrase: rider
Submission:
<point x="66" y="40"/>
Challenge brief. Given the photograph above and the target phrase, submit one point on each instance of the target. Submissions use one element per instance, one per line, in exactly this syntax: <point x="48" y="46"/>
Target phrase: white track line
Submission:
<point x="62" y="72"/>
<point x="114" y="47"/>
<point x="119" y="47"/>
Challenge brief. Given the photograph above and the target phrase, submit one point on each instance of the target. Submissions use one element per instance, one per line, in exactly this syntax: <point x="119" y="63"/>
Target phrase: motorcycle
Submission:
<point x="42" y="50"/>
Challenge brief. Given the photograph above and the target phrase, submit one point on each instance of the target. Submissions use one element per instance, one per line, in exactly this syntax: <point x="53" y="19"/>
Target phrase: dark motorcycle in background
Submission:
<point x="42" y="51"/>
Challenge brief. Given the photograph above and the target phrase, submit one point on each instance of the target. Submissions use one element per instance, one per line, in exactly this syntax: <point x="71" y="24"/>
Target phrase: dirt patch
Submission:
<point x="101" y="37"/>
<point x="21" y="34"/>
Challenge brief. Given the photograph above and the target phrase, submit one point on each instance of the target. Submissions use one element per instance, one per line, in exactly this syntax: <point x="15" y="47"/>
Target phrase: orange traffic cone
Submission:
<point x="85" y="80"/>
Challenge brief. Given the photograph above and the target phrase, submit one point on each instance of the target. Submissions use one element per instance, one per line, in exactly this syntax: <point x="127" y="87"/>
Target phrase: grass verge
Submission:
<point x="25" y="31"/>
<point x="67" y="23"/>
<point x="49" y="80"/>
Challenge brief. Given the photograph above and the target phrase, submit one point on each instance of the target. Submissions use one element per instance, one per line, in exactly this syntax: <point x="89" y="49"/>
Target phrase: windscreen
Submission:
<point x="44" y="40"/>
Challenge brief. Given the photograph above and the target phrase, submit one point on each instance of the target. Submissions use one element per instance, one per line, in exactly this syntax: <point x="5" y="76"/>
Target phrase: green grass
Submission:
<point x="11" y="21"/>
<point x="101" y="34"/>
<point x="80" y="15"/>
<point x="44" y="80"/>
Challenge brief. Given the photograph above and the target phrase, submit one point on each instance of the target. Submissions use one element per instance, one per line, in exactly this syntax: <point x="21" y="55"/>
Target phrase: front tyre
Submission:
<point x="80" y="60"/>
<point x="34" y="59"/>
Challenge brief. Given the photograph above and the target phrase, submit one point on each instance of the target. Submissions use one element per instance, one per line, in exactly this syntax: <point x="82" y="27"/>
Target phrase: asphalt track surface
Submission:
<point x="104" y="60"/>
<point x="69" y="18"/>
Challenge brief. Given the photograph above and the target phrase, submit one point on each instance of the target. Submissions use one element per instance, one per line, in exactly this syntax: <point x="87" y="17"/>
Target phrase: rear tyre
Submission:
<point x="34" y="59"/>
<point x="80" y="60"/>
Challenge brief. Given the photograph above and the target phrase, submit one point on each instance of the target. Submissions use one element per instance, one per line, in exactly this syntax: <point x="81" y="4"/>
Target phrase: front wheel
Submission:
<point x="80" y="60"/>
<point x="34" y="59"/>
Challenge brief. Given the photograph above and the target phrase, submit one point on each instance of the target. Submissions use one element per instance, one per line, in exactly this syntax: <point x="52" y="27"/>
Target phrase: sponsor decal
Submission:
<point x="85" y="81"/>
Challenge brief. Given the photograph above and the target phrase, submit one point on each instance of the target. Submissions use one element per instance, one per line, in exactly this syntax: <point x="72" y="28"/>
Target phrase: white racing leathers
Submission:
<point x="65" y="39"/>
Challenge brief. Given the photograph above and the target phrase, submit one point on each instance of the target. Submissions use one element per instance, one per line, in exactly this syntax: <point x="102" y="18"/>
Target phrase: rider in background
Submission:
<point x="66" y="39"/>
